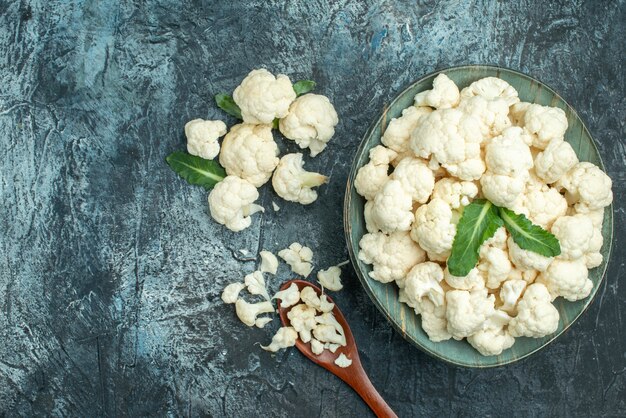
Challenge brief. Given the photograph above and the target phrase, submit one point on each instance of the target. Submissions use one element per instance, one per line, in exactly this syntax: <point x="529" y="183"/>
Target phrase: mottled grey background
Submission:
<point x="111" y="270"/>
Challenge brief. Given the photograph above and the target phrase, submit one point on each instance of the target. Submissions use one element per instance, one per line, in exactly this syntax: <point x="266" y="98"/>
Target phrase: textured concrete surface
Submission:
<point x="111" y="270"/>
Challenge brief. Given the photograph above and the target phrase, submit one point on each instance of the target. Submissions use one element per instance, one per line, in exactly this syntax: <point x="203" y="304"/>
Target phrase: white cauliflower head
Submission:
<point x="311" y="122"/>
<point x="293" y="183"/>
<point x="372" y="176"/>
<point x="249" y="152"/>
<point x="491" y="88"/>
<point x="545" y="123"/>
<point x="248" y="312"/>
<point x="393" y="208"/>
<point x="510" y="292"/>
<point x="568" y="279"/>
<point x="587" y="186"/>
<point x="527" y="260"/>
<point x="494" y="265"/>
<point x="508" y="155"/>
<point x="574" y="234"/>
<point x="231" y="203"/>
<point x="285" y="337"/>
<point x="416" y="178"/>
<point x="399" y="130"/>
<point x="493" y="339"/>
<point x="263" y="97"/>
<point x="492" y="113"/>
<point x="454" y="192"/>
<point x="299" y="258"/>
<point x="467" y="311"/>
<point x="434" y="227"/>
<point x="423" y="282"/>
<point x="473" y="281"/>
<point x="555" y="160"/>
<point x="502" y="190"/>
<point x="536" y="316"/>
<point x="444" y="94"/>
<point x="391" y="256"/>
<point x="202" y="136"/>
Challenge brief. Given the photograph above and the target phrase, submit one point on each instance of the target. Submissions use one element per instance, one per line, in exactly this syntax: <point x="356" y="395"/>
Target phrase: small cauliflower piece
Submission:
<point x="498" y="240"/>
<point x="435" y="227"/>
<point x="370" y="222"/>
<point x="555" y="160"/>
<point x="202" y="136"/>
<point x="310" y="298"/>
<point x="495" y="266"/>
<point x="289" y="296"/>
<point x="454" y="192"/>
<point x="593" y="257"/>
<point x="467" y="311"/>
<point x="231" y="203"/>
<point x="391" y="256"/>
<point x="434" y="321"/>
<point x="517" y="113"/>
<point x="316" y="347"/>
<point x="416" y="178"/>
<point x="423" y="282"/>
<point x="493" y="339"/>
<point x="587" y="186"/>
<point x="231" y="292"/>
<point x="393" y="208"/>
<point x="399" y="130"/>
<point x="510" y="293"/>
<point x="545" y="123"/>
<point x="330" y="278"/>
<point x="275" y="207"/>
<point x="285" y="337"/>
<point x="491" y="88"/>
<point x="508" y="155"/>
<point x="492" y="114"/>
<point x="302" y="319"/>
<point x="527" y="260"/>
<point x="328" y="318"/>
<point x="473" y="281"/>
<point x="248" y="312"/>
<point x="502" y="190"/>
<point x="574" y="234"/>
<point x="293" y="183"/>
<point x="544" y="206"/>
<point x="256" y="284"/>
<point x="343" y="361"/>
<point x="263" y="97"/>
<point x="569" y="279"/>
<point x="310" y="122"/>
<point x="269" y="262"/>
<point x="262" y="322"/>
<point x="299" y="258"/>
<point x="444" y="94"/>
<point x="536" y="316"/>
<point x="249" y="152"/>
<point x="372" y="176"/>
<point x="328" y="334"/>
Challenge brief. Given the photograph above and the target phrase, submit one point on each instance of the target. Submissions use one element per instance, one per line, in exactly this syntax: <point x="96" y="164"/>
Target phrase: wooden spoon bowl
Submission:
<point x="354" y="375"/>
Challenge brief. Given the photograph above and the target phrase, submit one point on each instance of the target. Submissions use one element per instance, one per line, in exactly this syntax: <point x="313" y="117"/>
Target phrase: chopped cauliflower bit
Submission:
<point x="299" y="258"/>
<point x="202" y="136"/>
<point x="536" y="316"/>
<point x="372" y="176"/>
<point x="392" y="256"/>
<point x="256" y="284"/>
<point x="399" y="130"/>
<point x="444" y="95"/>
<point x="231" y="203"/>
<point x="262" y="322"/>
<point x="331" y="347"/>
<point x="248" y="312"/>
<point x="231" y="292"/>
<point x="275" y="207"/>
<point x="328" y="318"/>
<point x="285" y="337"/>
<point x="289" y="296"/>
<point x="343" y="361"/>
<point x="302" y="319"/>
<point x="269" y="262"/>
<point x="309" y="296"/>
<point x="317" y="347"/>
<point x="293" y="183"/>
<point x="263" y="97"/>
<point x="330" y="278"/>
<point x="328" y="334"/>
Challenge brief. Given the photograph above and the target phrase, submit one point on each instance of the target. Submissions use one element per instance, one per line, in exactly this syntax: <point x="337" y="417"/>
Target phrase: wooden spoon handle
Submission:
<point x="363" y="386"/>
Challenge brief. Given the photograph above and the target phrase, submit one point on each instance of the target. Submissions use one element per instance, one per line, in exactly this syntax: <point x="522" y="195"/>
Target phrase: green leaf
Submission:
<point x="529" y="236"/>
<point x="228" y="105"/>
<point x="303" y="87"/>
<point x="478" y="223"/>
<point x="196" y="170"/>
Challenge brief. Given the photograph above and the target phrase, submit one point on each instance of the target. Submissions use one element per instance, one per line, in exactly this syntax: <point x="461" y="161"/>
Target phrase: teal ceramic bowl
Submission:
<point x="385" y="296"/>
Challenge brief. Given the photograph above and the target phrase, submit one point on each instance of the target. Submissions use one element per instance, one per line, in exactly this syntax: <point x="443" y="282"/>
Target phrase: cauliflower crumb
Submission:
<point x="299" y="258"/>
<point x="202" y="136"/>
<point x="275" y="207"/>
<point x="343" y="361"/>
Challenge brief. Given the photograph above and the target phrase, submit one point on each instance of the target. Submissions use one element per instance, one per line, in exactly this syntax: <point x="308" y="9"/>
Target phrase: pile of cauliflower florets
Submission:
<point x="454" y="146"/>
<point x="249" y="153"/>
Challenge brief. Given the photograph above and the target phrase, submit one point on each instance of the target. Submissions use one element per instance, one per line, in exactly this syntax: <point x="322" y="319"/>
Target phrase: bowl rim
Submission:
<point x="348" y="225"/>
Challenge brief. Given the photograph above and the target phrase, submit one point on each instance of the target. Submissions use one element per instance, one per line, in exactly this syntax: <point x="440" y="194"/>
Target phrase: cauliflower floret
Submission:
<point x="299" y="258"/>
<point x="492" y="114"/>
<point x="508" y="155"/>
<point x="491" y="88"/>
<point x="527" y="260"/>
<point x="470" y="169"/>
<point x="554" y="161"/>
<point x="372" y="176"/>
<point x="467" y="311"/>
<point x="370" y="222"/>
<point x="536" y="316"/>
<point x="416" y="178"/>
<point x="289" y="296"/>
<point x="545" y="206"/>
<point x="399" y="130"/>
<point x="517" y="113"/>
<point x="454" y="192"/>
<point x="423" y="282"/>
<point x="248" y="312"/>
<point x="330" y="278"/>
<point x="434" y="321"/>
<point x="392" y="256"/>
<point x="263" y="97"/>
<point x="587" y="186"/>
<point x="311" y="298"/>
<point x="495" y="266"/>
<point x="593" y="257"/>
<point x="302" y="319"/>
<point x="256" y="284"/>
<point x="231" y="203"/>
<point x="510" y="293"/>
<point x="493" y="339"/>
<point x="574" y="234"/>
<point x="444" y="95"/>
<point x="498" y="240"/>
<point x="502" y="190"/>
<point x="316" y="347"/>
<point x="285" y="337"/>
<point x="202" y="136"/>
<point x="393" y="208"/>
<point x="293" y="183"/>
<point x="545" y="123"/>
<point x="569" y="279"/>
<point x="231" y="292"/>
<point x="249" y="152"/>
<point x="473" y="281"/>
<point x="269" y="262"/>
<point x="311" y="122"/>
<point x="596" y="216"/>
<point x="343" y="361"/>
<point x="434" y="228"/>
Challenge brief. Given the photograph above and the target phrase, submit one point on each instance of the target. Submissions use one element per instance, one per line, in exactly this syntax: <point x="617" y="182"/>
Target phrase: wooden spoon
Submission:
<point x="354" y="375"/>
